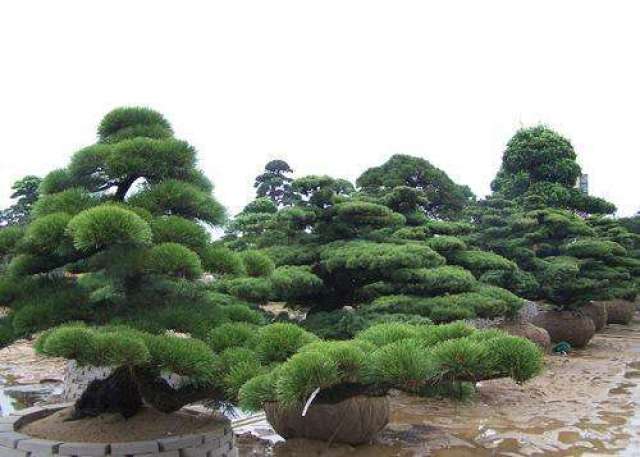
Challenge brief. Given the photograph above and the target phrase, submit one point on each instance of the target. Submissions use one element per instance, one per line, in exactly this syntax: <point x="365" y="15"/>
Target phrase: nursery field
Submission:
<point x="395" y="315"/>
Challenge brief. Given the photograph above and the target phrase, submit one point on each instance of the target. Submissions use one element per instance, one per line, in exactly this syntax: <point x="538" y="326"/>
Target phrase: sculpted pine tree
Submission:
<point x="25" y="192"/>
<point x="632" y="223"/>
<point x="568" y="262"/>
<point x="378" y="249"/>
<point x="120" y="237"/>
<point x="120" y="232"/>
<point x="435" y="195"/>
<point x="539" y="168"/>
<point x="274" y="183"/>
<point x="531" y="219"/>
<point x="247" y="227"/>
<point x="621" y="266"/>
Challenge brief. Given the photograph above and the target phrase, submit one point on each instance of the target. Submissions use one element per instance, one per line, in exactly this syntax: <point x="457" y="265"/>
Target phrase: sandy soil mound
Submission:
<point x="108" y="428"/>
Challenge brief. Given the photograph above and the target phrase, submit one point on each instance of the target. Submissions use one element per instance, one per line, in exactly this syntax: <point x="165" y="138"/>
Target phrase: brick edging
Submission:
<point x="217" y="443"/>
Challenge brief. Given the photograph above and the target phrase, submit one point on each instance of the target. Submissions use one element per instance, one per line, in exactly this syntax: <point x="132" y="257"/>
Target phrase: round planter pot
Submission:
<point x="574" y="327"/>
<point x="620" y="311"/>
<point x="218" y="440"/>
<point x="355" y="420"/>
<point x="529" y="331"/>
<point x="597" y="311"/>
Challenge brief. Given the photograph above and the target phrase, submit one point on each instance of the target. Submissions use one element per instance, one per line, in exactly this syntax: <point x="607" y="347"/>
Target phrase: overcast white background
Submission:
<point x="333" y="87"/>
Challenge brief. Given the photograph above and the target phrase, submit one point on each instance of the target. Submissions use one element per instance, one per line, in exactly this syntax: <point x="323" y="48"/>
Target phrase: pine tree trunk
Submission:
<point x="127" y="389"/>
<point x="118" y="393"/>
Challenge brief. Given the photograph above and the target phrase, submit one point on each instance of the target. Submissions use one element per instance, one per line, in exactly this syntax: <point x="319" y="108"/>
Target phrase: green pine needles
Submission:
<point x="120" y="234"/>
<point x="282" y="362"/>
<point x="113" y="258"/>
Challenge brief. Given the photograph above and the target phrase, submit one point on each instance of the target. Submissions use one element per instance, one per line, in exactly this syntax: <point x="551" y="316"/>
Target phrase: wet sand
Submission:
<point x="584" y="404"/>
<point x="19" y="364"/>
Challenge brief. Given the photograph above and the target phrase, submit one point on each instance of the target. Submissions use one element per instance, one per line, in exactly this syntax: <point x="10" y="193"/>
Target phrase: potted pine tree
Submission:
<point x="537" y="219"/>
<point x="389" y="250"/>
<point x="623" y="272"/>
<point x="308" y="387"/>
<point x="120" y="238"/>
<point x="336" y="390"/>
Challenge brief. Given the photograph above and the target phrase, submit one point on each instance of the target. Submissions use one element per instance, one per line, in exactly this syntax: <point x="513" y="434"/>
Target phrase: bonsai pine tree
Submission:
<point x="622" y="267"/>
<point x="248" y="226"/>
<point x="25" y="192"/>
<point x="632" y="223"/>
<point x="533" y="218"/>
<point x="540" y="165"/>
<point x="248" y="365"/>
<point x="393" y="355"/>
<point x="121" y="233"/>
<point x="274" y="183"/>
<point x="434" y="192"/>
<point x="568" y="261"/>
<point x="378" y="250"/>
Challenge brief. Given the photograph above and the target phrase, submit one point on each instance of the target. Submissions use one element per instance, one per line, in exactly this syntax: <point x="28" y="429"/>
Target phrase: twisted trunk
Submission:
<point x="118" y="393"/>
<point x="127" y="389"/>
<point x="124" y="186"/>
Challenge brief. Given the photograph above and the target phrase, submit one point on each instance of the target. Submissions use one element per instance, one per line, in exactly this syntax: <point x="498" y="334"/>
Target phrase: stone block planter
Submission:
<point x="13" y="443"/>
<point x="355" y="420"/>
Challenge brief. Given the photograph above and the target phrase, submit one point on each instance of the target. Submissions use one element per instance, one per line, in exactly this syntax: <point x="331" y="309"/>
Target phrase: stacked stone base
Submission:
<point x="218" y="443"/>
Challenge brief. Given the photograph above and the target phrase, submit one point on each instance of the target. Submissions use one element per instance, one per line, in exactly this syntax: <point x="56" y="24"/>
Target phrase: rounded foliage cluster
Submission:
<point x="174" y="259"/>
<point x="132" y="122"/>
<point x="175" y="229"/>
<point x="107" y="225"/>
<point x="175" y="197"/>
<point x="123" y="346"/>
<point x="257" y="263"/>
<point x="543" y="155"/>
<point x="404" y="356"/>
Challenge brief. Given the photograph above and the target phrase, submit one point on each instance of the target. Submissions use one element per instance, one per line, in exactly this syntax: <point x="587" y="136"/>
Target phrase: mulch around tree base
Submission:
<point x="148" y="424"/>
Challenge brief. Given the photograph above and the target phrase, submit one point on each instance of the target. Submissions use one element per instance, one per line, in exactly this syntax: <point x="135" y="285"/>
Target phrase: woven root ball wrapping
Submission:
<point x="620" y="311"/>
<point x="529" y="331"/>
<point x="574" y="327"/>
<point x="355" y="420"/>
<point x="597" y="311"/>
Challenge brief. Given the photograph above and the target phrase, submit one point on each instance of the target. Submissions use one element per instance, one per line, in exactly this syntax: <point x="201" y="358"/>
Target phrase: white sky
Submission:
<point x="333" y="87"/>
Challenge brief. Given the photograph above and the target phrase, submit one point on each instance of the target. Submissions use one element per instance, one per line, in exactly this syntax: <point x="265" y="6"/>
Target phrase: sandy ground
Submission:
<point x="19" y="364"/>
